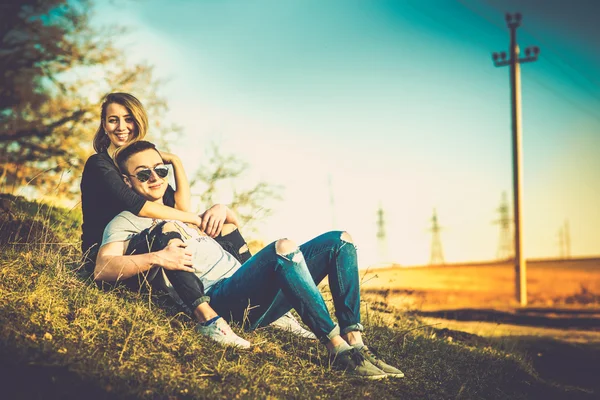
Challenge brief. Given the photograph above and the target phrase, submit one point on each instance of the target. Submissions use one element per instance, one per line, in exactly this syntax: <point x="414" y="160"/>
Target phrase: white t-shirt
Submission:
<point x="210" y="262"/>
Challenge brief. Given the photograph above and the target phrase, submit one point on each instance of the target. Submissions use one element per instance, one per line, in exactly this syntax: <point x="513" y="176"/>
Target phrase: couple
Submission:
<point x="212" y="282"/>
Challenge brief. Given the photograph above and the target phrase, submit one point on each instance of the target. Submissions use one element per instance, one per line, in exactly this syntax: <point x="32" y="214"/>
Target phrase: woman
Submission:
<point x="104" y="194"/>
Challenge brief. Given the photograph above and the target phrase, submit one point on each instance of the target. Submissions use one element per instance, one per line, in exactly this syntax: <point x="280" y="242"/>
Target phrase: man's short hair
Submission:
<point x="124" y="153"/>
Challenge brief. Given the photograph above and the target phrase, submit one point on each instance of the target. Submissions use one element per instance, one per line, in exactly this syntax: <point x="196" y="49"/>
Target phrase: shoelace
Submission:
<point x="357" y="357"/>
<point x="372" y="352"/>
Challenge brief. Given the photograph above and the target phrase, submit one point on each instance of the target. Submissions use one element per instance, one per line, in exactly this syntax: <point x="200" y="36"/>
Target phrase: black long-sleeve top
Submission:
<point x="104" y="195"/>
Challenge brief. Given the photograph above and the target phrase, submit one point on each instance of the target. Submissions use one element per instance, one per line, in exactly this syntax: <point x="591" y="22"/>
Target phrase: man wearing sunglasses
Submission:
<point x="259" y="291"/>
<point x="140" y="252"/>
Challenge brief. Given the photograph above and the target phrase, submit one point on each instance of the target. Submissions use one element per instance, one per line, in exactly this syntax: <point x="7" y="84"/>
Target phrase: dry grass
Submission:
<point x="61" y="337"/>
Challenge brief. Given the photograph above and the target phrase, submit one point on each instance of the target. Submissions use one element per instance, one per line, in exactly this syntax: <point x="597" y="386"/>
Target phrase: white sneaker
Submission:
<point x="221" y="332"/>
<point x="288" y="323"/>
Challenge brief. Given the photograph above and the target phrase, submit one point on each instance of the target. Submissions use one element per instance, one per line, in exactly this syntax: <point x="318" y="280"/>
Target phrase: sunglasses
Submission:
<point x="144" y="174"/>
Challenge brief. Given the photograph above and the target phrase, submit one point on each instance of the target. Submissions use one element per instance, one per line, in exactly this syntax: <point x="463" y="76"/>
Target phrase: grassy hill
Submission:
<point x="62" y="337"/>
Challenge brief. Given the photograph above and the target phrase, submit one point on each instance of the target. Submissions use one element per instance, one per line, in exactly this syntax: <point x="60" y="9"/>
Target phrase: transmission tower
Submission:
<point x="567" y="239"/>
<point x="514" y="62"/>
<point x="564" y="240"/>
<point x="437" y="254"/>
<point x="505" y="244"/>
<point x="381" y="237"/>
<point x="561" y="242"/>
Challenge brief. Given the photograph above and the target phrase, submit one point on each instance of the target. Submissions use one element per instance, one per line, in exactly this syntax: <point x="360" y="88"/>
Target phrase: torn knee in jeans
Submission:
<point x="285" y="246"/>
<point x="346" y="237"/>
<point x="243" y="249"/>
<point x="288" y="250"/>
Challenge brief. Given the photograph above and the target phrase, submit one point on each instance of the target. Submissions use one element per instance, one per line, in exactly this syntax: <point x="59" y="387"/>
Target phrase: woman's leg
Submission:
<point x="232" y="241"/>
<point x="187" y="286"/>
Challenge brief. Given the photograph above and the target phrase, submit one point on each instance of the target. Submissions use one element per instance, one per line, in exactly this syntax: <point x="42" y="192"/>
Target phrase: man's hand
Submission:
<point x="175" y="257"/>
<point x="213" y="219"/>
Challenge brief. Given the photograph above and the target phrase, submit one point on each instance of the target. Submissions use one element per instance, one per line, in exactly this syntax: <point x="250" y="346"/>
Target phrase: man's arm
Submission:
<point x="113" y="265"/>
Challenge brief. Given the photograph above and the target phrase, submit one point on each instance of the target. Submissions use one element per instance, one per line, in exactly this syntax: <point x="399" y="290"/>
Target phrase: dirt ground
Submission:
<point x="559" y="330"/>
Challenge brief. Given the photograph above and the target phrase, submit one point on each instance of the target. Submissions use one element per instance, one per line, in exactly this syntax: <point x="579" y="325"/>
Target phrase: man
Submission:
<point x="280" y="277"/>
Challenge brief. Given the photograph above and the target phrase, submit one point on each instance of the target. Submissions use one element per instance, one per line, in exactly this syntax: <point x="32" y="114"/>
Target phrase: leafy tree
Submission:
<point x="251" y="204"/>
<point x="54" y="69"/>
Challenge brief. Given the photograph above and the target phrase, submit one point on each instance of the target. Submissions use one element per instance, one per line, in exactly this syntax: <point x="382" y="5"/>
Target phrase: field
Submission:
<point x="573" y="283"/>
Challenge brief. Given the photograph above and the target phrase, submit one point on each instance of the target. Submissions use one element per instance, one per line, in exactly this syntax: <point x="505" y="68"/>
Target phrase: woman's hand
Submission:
<point x="213" y="219"/>
<point x="168" y="158"/>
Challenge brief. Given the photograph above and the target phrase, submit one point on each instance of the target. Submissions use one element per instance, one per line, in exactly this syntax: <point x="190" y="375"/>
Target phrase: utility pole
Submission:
<point x="437" y="254"/>
<point x="514" y="61"/>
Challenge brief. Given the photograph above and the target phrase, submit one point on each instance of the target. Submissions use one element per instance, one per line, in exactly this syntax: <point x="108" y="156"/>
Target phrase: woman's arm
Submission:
<point x="105" y="174"/>
<point x="160" y="211"/>
<point x="183" y="197"/>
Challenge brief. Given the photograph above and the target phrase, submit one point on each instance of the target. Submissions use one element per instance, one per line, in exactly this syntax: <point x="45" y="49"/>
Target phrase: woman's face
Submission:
<point x="119" y="125"/>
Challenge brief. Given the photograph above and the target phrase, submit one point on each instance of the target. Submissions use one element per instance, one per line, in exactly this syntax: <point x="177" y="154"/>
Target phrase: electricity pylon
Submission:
<point x="564" y="240"/>
<point x="514" y="62"/>
<point x="505" y="245"/>
<point x="437" y="254"/>
<point x="381" y="236"/>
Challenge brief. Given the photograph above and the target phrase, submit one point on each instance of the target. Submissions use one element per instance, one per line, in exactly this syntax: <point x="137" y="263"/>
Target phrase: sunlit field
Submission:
<point x="551" y="283"/>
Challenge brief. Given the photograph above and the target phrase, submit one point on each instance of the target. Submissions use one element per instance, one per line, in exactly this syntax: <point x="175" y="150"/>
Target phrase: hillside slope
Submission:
<point x="62" y="337"/>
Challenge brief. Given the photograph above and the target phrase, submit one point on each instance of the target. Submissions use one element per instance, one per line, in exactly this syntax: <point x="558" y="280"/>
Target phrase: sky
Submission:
<point x="352" y="105"/>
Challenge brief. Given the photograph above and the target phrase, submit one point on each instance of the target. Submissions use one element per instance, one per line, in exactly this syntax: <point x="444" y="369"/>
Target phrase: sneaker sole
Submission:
<point x="396" y="376"/>
<point x="372" y="377"/>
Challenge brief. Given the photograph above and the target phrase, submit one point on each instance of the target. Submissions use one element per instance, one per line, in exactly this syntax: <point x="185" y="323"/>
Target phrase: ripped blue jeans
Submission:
<point x="268" y="285"/>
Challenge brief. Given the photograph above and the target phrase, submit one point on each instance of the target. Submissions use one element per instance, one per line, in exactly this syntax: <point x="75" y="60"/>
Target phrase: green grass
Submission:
<point x="62" y="337"/>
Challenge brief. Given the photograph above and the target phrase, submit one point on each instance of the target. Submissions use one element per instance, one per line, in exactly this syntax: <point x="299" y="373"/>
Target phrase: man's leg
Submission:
<point x="281" y="266"/>
<point x="252" y="288"/>
<point x="233" y="242"/>
<point x="333" y="254"/>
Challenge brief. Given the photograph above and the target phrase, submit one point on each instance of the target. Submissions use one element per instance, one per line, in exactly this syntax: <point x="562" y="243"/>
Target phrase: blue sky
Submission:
<point x="394" y="103"/>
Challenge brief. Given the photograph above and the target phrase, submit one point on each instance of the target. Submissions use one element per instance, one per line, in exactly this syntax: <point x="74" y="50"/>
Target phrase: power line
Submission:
<point x="563" y="97"/>
<point x="546" y="48"/>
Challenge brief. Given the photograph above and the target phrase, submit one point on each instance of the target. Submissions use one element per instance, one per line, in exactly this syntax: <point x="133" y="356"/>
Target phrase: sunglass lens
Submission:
<point x="161" y="171"/>
<point x="143" y="175"/>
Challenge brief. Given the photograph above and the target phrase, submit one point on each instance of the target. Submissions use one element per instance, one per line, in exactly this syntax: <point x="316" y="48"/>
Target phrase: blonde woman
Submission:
<point x="124" y="120"/>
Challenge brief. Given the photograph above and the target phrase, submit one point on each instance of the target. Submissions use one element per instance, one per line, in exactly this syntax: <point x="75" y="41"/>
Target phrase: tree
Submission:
<point x="54" y="70"/>
<point x="252" y="204"/>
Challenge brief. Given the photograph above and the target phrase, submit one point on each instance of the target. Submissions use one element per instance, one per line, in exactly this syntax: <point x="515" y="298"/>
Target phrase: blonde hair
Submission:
<point x="134" y="106"/>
